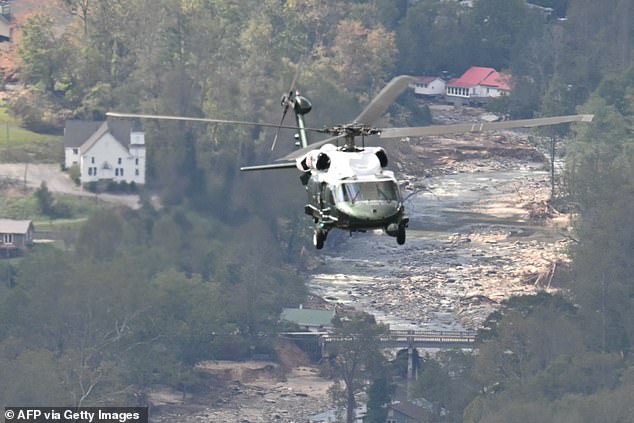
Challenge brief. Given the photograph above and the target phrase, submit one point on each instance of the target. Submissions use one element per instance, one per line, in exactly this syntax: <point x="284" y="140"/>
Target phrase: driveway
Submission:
<point x="58" y="182"/>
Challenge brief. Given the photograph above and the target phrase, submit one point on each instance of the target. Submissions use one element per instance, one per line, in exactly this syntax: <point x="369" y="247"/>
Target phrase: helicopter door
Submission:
<point x="326" y="198"/>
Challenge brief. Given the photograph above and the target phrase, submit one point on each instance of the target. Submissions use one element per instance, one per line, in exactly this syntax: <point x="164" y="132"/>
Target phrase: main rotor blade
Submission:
<point x="384" y="99"/>
<point x="277" y="132"/>
<point x="422" y="131"/>
<point x="312" y="146"/>
<point x="287" y="101"/>
<point x="195" y="119"/>
<point x="288" y="165"/>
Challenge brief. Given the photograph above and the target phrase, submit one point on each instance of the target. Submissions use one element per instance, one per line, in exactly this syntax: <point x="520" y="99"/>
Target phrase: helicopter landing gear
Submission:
<point x="400" y="234"/>
<point x="319" y="236"/>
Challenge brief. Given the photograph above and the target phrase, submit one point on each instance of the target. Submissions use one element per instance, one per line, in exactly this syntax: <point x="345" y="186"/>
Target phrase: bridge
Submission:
<point x="398" y="338"/>
<point x="317" y="342"/>
<point x="418" y="339"/>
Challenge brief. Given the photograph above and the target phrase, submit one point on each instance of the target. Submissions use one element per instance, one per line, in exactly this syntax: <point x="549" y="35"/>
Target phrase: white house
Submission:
<point x="5" y="29"/>
<point x="106" y="151"/>
<point x="429" y="86"/>
<point x="5" y="21"/>
<point x="478" y="84"/>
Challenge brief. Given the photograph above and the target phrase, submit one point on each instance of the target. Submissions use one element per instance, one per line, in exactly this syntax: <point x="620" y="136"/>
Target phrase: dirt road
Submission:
<point x="32" y="175"/>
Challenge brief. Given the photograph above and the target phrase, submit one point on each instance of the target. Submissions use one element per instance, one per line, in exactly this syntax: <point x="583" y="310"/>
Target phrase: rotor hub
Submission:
<point x="353" y="129"/>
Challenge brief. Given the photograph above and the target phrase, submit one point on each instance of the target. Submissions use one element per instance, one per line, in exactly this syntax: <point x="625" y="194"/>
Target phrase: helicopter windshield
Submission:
<point x="351" y="192"/>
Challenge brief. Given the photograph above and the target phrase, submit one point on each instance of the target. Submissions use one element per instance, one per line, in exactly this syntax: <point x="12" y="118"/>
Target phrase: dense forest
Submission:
<point x="143" y="295"/>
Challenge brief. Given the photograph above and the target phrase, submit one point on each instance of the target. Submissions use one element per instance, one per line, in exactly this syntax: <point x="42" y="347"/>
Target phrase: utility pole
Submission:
<point x="552" y="168"/>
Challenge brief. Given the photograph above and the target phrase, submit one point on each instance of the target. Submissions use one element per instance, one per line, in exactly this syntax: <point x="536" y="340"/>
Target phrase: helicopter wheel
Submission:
<point x="319" y="236"/>
<point x="400" y="235"/>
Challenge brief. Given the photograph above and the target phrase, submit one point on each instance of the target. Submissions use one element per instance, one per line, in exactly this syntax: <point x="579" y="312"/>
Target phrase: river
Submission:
<point x="470" y="244"/>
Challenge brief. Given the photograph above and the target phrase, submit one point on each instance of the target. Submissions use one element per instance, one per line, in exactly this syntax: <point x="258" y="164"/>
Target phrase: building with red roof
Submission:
<point x="478" y="84"/>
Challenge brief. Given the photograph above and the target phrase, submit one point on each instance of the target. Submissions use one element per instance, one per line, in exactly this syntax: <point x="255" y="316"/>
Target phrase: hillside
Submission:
<point x="21" y="10"/>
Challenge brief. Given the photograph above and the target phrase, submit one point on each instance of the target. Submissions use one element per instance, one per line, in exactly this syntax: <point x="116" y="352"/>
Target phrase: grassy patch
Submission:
<point x="60" y="224"/>
<point x="19" y="145"/>
<point x="73" y="210"/>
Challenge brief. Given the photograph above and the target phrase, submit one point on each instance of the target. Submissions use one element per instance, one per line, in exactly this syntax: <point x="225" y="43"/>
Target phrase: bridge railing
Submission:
<point x="405" y="336"/>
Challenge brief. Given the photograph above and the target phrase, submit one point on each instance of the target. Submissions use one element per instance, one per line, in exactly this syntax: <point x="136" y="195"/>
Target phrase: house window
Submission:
<point x="92" y="159"/>
<point x="75" y="151"/>
<point x="119" y="160"/>
<point x="391" y="421"/>
<point x="116" y="172"/>
<point x="8" y="238"/>
<point x="121" y="172"/>
<point x="94" y="171"/>
<point x="90" y="171"/>
<point x="136" y="161"/>
<point x="136" y="172"/>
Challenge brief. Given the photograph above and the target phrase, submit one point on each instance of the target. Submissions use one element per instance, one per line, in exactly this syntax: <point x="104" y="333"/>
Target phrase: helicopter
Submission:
<point x="349" y="186"/>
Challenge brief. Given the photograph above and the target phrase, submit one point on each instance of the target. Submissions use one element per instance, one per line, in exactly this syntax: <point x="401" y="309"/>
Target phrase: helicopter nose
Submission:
<point x="374" y="211"/>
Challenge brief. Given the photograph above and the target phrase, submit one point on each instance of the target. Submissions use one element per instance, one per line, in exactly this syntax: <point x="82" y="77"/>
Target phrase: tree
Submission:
<point x="45" y="200"/>
<point x="363" y="56"/>
<point x="35" y="379"/>
<point x="80" y="8"/>
<point x="42" y="52"/>
<point x="525" y="338"/>
<point x="433" y="37"/>
<point x="499" y="27"/>
<point x="355" y="356"/>
<point x="101" y="236"/>
<point x="379" y="397"/>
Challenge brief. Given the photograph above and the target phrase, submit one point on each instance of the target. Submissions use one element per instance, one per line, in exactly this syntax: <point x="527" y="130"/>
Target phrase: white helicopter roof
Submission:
<point x="361" y="165"/>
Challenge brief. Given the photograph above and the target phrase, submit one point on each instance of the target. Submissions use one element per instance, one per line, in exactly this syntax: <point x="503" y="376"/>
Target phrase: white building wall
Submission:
<point x="484" y="91"/>
<point x="108" y="159"/>
<point x="435" y="87"/>
<point x="479" y="91"/>
<point x="137" y="165"/>
<point x="459" y="92"/>
<point x="71" y="157"/>
<point x="137" y="151"/>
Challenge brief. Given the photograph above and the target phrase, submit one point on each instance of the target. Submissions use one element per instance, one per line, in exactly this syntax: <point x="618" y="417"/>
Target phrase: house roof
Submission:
<point x="308" y="317"/>
<point x="427" y="79"/>
<point x="472" y="77"/>
<point x="410" y="410"/>
<point x="76" y="132"/>
<point x="477" y="75"/>
<point x="9" y="226"/>
<point x="498" y="80"/>
<point x="85" y="134"/>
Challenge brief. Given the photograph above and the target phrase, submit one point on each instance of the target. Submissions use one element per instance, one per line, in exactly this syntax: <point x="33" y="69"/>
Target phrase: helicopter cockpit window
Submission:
<point x="351" y="192"/>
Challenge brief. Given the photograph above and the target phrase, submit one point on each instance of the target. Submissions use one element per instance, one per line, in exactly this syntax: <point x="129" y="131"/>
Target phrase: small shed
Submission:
<point x="308" y="319"/>
<point x="16" y="235"/>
